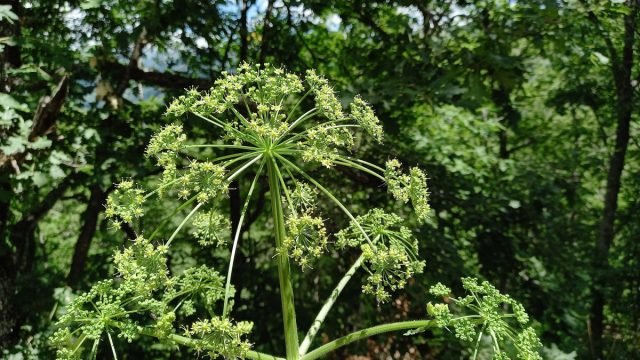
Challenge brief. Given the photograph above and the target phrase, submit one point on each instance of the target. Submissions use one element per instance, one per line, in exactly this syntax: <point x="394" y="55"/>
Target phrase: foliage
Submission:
<point x="511" y="108"/>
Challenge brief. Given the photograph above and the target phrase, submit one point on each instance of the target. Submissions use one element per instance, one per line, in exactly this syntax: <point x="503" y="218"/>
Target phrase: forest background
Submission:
<point x="523" y="113"/>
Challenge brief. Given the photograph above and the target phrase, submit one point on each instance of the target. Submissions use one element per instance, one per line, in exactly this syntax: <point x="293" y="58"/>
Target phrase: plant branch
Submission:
<point x="237" y="238"/>
<point x="365" y="333"/>
<point x="313" y="330"/>
<point x="184" y="222"/>
<point x="329" y="195"/>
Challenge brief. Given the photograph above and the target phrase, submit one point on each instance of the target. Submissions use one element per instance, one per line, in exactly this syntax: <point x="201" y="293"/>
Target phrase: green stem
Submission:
<point x="349" y="163"/>
<point x="363" y="334"/>
<point x="475" y="351"/>
<point x="183" y="222"/>
<point x="159" y="188"/>
<point x="222" y="146"/>
<point x="284" y="275"/>
<point x="304" y="133"/>
<point x="243" y="167"/>
<point x="329" y="195"/>
<point x="166" y="219"/>
<point x="366" y="163"/>
<point x="215" y="122"/>
<point x="113" y="349"/>
<point x="236" y="238"/>
<point x="298" y="121"/>
<point x="295" y="107"/>
<point x="313" y="330"/>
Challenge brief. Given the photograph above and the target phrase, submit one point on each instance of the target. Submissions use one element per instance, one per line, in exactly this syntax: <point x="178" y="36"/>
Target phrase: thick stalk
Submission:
<point x="284" y="275"/>
<point x="313" y="330"/>
<point x="363" y="334"/>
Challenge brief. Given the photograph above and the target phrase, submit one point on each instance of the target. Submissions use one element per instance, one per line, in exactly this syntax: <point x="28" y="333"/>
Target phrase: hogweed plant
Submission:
<point x="267" y="133"/>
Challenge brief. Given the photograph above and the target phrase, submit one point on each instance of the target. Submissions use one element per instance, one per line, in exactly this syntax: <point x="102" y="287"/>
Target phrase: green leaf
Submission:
<point x="39" y="179"/>
<point x="7" y="14"/>
<point x="56" y="172"/>
<point x="15" y="145"/>
<point x="8" y="102"/>
<point x="90" y="4"/>
<point x="597" y="57"/>
<point x="40" y="143"/>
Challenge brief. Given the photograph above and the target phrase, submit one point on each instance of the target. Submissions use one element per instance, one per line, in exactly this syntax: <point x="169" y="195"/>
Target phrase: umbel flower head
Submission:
<point x="263" y="126"/>
<point x="307" y="239"/>
<point x="409" y="187"/>
<point x="265" y="130"/>
<point x="125" y="203"/>
<point x="144" y="300"/>
<point x="265" y="123"/>
<point x="389" y="251"/>
<point x="486" y="314"/>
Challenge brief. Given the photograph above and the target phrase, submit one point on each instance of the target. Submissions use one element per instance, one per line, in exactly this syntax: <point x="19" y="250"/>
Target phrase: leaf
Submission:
<point x="39" y="179"/>
<point x="8" y="102"/>
<point x="14" y="145"/>
<point x="7" y="14"/>
<point x="8" y="118"/>
<point x="40" y="143"/>
<point x="90" y="4"/>
<point x="58" y="157"/>
<point x="56" y="172"/>
<point x="597" y="57"/>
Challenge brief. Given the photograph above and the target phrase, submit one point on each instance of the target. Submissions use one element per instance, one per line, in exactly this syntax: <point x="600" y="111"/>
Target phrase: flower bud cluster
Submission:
<point x="266" y="129"/>
<point x="303" y="198"/>
<point x="389" y="251"/>
<point x="306" y="238"/>
<point x="211" y="228"/>
<point x="363" y="114"/>
<point x="324" y="96"/>
<point x="409" y="187"/>
<point x="125" y="203"/>
<point x="323" y="144"/>
<point x="265" y="87"/>
<point x="203" y="283"/>
<point x="164" y="146"/>
<point x="253" y="106"/>
<point x="486" y="306"/>
<point x="143" y="266"/>
<point x="220" y="337"/>
<point x="269" y="85"/>
<point x="144" y="301"/>
<point x="203" y="179"/>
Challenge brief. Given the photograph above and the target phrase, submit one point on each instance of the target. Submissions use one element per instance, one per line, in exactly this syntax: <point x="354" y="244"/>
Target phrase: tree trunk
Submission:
<point x="90" y="222"/>
<point x="264" y="44"/>
<point x="7" y="292"/>
<point x="624" y="96"/>
<point x="244" y="31"/>
<point x="510" y="117"/>
<point x="18" y="259"/>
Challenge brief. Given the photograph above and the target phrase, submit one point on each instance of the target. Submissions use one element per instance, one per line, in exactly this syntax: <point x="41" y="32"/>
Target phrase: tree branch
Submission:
<point x="162" y="79"/>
